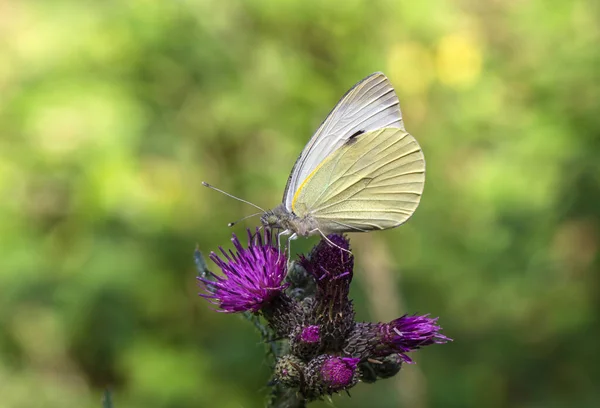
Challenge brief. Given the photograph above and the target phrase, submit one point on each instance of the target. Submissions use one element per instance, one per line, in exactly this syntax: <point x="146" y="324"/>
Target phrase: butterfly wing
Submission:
<point x="374" y="181"/>
<point x="370" y="105"/>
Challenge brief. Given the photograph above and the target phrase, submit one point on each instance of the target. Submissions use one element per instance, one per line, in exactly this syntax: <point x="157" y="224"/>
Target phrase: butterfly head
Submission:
<point x="275" y="218"/>
<point x="269" y="219"/>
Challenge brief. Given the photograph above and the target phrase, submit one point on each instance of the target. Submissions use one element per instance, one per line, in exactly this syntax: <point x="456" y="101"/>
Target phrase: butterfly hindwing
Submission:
<point x="374" y="181"/>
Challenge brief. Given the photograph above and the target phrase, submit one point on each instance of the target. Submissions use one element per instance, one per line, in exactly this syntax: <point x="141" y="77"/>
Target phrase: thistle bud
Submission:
<point x="289" y="371"/>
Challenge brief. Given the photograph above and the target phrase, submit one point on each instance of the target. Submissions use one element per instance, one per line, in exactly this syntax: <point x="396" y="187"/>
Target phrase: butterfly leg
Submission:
<point x="328" y="240"/>
<point x="284" y="232"/>
<point x="293" y="236"/>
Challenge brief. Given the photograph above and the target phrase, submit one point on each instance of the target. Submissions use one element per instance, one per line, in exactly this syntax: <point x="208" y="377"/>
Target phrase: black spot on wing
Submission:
<point x="352" y="138"/>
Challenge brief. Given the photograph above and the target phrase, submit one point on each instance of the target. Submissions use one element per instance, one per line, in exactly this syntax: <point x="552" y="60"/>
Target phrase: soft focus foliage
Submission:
<point x="113" y="112"/>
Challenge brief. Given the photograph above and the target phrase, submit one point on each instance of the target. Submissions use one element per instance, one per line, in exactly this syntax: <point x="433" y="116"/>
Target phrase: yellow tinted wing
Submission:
<point x="374" y="181"/>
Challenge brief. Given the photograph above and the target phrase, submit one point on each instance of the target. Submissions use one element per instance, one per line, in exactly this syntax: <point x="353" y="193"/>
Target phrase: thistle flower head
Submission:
<point x="400" y="336"/>
<point x="326" y="374"/>
<point x="253" y="275"/>
<point x="330" y="262"/>
<point x="327" y="351"/>
<point x="409" y="333"/>
<point x="310" y="334"/>
<point x="305" y="341"/>
<point x="338" y="372"/>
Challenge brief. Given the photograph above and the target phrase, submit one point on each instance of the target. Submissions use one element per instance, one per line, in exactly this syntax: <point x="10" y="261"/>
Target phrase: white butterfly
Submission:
<point x="360" y="171"/>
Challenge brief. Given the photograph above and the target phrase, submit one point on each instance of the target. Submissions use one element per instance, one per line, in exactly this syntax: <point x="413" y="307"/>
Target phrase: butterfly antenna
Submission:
<point x="231" y="224"/>
<point x="205" y="184"/>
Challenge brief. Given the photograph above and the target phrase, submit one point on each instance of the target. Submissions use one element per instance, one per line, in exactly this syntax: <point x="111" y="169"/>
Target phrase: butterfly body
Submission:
<point x="280" y="218"/>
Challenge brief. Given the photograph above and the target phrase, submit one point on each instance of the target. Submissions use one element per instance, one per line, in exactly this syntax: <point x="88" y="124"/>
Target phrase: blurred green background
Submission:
<point x="113" y="112"/>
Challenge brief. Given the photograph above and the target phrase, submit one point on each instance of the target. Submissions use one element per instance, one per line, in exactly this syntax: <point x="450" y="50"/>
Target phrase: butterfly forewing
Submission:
<point x="371" y="104"/>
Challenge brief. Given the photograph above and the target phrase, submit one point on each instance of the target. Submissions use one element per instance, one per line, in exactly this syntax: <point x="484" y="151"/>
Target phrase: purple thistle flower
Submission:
<point x="327" y="374"/>
<point x="310" y="334"/>
<point x="253" y="276"/>
<point x="328" y="262"/>
<point x="325" y="343"/>
<point x="338" y="372"/>
<point x="409" y="333"/>
<point x="331" y="266"/>
<point x="305" y="341"/>
<point x="400" y="336"/>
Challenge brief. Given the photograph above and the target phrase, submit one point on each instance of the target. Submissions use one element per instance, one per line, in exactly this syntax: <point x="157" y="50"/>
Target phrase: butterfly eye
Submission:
<point x="269" y="219"/>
